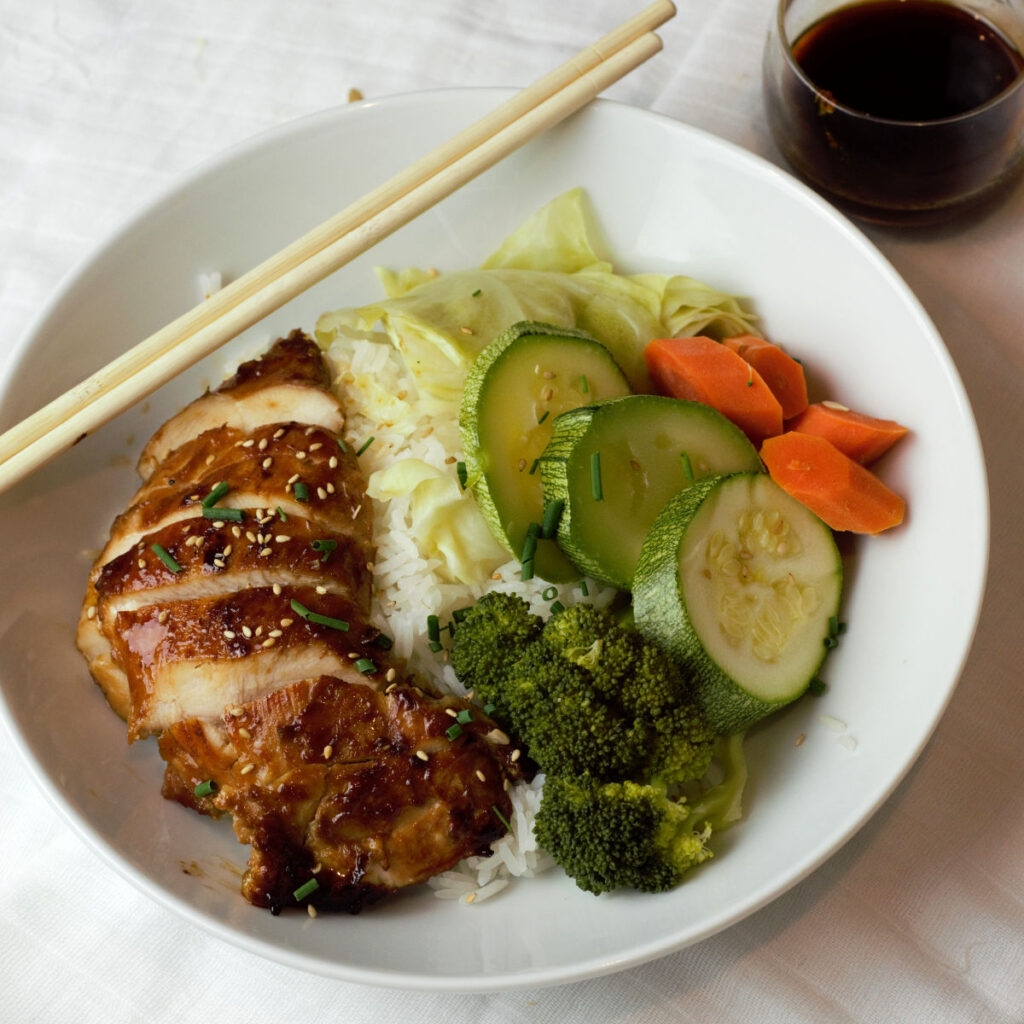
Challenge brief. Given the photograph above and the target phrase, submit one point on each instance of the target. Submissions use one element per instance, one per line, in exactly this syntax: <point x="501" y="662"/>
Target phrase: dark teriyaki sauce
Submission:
<point x="907" y="60"/>
<point x="914" y="67"/>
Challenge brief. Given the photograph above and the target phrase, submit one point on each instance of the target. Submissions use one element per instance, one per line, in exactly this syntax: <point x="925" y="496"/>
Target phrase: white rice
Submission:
<point x="370" y="375"/>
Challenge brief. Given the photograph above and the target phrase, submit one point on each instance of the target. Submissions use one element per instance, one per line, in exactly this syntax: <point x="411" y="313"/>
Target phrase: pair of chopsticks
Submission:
<point x="248" y="299"/>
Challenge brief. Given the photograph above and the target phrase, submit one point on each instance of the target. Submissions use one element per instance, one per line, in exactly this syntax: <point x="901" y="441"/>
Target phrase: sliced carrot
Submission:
<point x="704" y="370"/>
<point x="834" y="487"/>
<point x="781" y="372"/>
<point x="862" y="438"/>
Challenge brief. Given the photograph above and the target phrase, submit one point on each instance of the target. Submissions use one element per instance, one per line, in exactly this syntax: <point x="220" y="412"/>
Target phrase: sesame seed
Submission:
<point x="277" y="588"/>
<point x="244" y="733"/>
<point x="210" y="458"/>
<point x="247" y="632"/>
<point x="248" y="444"/>
<point x="227" y="551"/>
<point x="390" y="674"/>
<point x="285" y="623"/>
<point x="219" y="562"/>
<point x="250" y="536"/>
<point x="548" y="375"/>
<point x="266" y="551"/>
<point x="229" y="634"/>
<point x="282" y="538"/>
<point x="308" y="431"/>
<point x="162" y="618"/>
<point x="248" y="768"/>
<point x="236" y="531"/>
<point x="546" y="394"/>
<point x="321" y="493"/>
<point x="452" y="712"/>
<point x="391" y="688"/>
<point x="522" y="465"/>
<point x="497" y="736"/>
<point x="311" y="910"/>
<point x="466" y="330"/>
<point x="333" y="462"/>
<point x="300" y="455"/>
<point x="422" y="755"/>
<point x="279" y="433"/>
<point x="236" y="711"/>
<point x="142" y="563"/>
<point x="353" y="655"/>
<point x="259" y="631"/>
<point x="328" y="750"/>
<point x="330" y="487"/>
<point x="275" y="632"/>
<point x="263" y="444"/>
<point x="91" y="613"/>
<point x="293" y="478"/>
<point x="480" y="775"/>
<point x="316" y="447"/>
<point x="269" y="642"/>
<point x="515" y="755"/>
<point x="267" y="462"/>
<point x="799" y="740"/>
<point x="470" y="897"/>
<point x="193" y="497"/>
<point x="218" y="525"/>
<point x="321" y="589"/>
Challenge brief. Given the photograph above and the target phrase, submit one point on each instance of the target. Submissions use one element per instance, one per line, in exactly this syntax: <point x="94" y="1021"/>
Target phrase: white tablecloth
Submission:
<point x="919" y="918"/>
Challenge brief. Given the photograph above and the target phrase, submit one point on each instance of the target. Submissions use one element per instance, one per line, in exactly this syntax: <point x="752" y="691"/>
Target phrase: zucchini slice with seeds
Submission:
<point x="741" y="584"/>
<point x="648" y="448"/>
<point x="515" y="389"/>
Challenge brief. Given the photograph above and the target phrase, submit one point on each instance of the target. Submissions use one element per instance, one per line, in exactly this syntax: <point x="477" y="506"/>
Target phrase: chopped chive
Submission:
<point x="476" y="293"/>
<point x="547" y="413"/>
<point x="280" y="512"/>
<point x="584" y="386"/>
<point x="687" y="467"/>
<point x="489" y="709"/>
<point x="460" y="613"/>
<point x="550" y="593"/>
<point x="501" y="817"/>
<point x="383" y="641"/>
<point x="831" y="642"/>
<point x="454" y="731"/>
<point x="236" y="515"/>
<point x="326" y="546"/>
<point x="164" y="557"/>
<point x="464" y="716"/>
<point x="216" y="494"/>
<point x="301" y="491"/>
<point x="552" y="517"/>
<point x="433" y="627"/>
<point x="817" y="687"/>
<point x="306" y="889"/>
<point x="530" y="542"/>
<point x="526" y="570"/>
<point x="342" y="445"/>
<point x="833" y="625"/>
<point x="595" y="476"/>
<point x="556" y="607"/>
<point x="462" y="474"/>
<point x="366" y="444"/>
<point x="321" y="620"/>
<point x="435" y="646"/>
<point x="533" y="468"/>
<point x="366" y="666"/>
<point x="205" y="788"/>
<point x="584" y="589"/>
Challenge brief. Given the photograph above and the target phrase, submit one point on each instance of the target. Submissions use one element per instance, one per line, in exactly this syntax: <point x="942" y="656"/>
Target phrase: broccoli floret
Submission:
<point x="491" y="636"/>
<point x="619" y="834"/>
<point x="584" y="694"/>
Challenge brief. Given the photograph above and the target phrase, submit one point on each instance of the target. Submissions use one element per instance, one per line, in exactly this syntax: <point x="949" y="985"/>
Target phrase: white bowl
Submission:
<point x="669" y="198"/>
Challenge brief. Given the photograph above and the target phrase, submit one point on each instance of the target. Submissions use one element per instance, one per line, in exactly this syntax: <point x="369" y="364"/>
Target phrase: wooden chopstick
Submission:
<point x="150" y="364"/>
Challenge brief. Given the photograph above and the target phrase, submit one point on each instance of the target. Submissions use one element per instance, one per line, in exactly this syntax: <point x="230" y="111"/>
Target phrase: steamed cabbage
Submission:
<point x="547" y="271"/>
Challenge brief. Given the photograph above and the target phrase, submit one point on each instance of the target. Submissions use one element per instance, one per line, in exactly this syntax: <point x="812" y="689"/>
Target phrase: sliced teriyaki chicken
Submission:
<point x="365" y="791"/>
<point x="229" y="613"/>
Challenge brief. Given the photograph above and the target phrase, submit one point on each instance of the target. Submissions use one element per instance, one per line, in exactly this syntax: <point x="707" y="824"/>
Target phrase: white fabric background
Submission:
<point x="919" y="918"/>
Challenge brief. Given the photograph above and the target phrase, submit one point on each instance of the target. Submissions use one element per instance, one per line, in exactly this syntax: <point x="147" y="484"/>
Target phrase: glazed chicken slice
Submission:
<point x="228" y="613"/>
<point x="365" y="791"/>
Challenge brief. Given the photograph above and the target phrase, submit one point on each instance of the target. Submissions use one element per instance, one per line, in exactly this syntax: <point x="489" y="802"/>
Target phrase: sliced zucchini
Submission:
<point x="645" y="448"/>
<point x="741" y="584"/>
<point x="516" y="388"/>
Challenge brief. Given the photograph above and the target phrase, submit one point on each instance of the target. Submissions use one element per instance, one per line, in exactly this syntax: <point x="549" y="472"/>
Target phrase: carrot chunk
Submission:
<point x="835" y="488"/>
<point x="781" y="372"/>
<point x="704" y="370"/>
<point x="862" y="438"/>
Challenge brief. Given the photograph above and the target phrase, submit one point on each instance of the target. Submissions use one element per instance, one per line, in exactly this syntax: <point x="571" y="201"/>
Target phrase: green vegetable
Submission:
<point x="738" y="582"/>
<point x="645" y="448"/>
<point x="531" y="370"/>
<point x="584" y="694"/>
<point x="619" y="834"/>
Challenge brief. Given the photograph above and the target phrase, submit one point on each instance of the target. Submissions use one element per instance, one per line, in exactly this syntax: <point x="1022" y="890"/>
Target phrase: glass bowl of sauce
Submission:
<point x="900" y="111"/>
